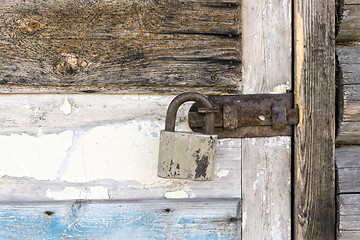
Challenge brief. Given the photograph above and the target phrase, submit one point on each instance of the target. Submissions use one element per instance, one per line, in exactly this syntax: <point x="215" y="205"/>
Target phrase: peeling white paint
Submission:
<point x="120" y="152"/>
<point x="99" y="192"/>
<point x="33" y="156"/>
<point x="177" y="194"/>
<point x="244" y="219"/>
<point x="222" y="173"/>
<point x="141" y="97"/>
<point x="103" y="150"/>
<point x="66" y="107"/>
<point x="127" y="151"/>
<point x="69" y="193"/>
<point x="276" y="142"/>
<point x="280" y="89"/>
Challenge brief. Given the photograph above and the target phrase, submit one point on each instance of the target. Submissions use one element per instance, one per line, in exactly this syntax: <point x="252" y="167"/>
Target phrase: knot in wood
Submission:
<point x="33" y="26"/>
<point x="68" y="64"/>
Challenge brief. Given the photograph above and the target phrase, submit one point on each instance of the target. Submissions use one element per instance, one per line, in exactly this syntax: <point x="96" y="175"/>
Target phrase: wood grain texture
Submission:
<point x="120" y="45"/>
<point x="349" y="217"/>
<point x="348" y="94"/>
<point x="206" y="219"/>
<point x="349" y="133"/>
<point x="349" y="31"/>
<point x="348" y="169"/>
<point x="348" y="57"/>
<point x="351" y="103"/>
<point x="266" y="197"/>
<point x="314" y="168"/>
<point x="266" y="191"/>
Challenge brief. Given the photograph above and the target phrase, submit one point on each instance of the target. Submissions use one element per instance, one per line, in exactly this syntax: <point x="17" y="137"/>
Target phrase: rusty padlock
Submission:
<point x="187" y="155"/>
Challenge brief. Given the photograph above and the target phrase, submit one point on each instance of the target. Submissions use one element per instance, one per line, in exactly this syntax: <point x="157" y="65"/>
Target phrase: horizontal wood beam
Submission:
<point x="164" y="219"/>
<point x="349" y="217"/>
<point x="349" y="29"/>
<point x="117" y="46"/>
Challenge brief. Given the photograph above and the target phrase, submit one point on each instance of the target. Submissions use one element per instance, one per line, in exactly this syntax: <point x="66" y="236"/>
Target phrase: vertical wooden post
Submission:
<point x="266" y="162"/>
<point x="314" y="70"/>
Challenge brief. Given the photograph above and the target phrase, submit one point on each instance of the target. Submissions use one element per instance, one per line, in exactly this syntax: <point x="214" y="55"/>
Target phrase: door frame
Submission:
<point x="314" y="201"/>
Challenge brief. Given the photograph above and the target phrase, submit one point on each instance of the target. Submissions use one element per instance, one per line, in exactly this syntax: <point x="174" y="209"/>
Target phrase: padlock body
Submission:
<point x="187" y="155"/>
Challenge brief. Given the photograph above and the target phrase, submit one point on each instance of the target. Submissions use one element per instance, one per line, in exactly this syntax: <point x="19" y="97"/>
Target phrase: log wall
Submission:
<point x="348" y="132"/>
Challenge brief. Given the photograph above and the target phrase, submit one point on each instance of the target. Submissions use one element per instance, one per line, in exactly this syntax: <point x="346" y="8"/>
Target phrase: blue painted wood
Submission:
<point x="194" y="219"/>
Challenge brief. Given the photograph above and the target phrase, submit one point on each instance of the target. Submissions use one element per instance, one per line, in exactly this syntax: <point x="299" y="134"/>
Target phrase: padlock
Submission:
<point x="187" y="155"/>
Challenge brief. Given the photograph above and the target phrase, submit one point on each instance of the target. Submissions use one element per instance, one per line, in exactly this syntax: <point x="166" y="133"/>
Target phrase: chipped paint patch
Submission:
<point x="66" y="194"/>
<point x="66" y="107"/>
<point x="69" y="193"/>
<point x="33" y="156"/>
<point x="141" y="97"/>
<point x="277" y="142"/>
<point x="222" y="173"/>
<point x="176" y="194"/>
<point x="122" y="152"/>
<point x="126" y="151"/>
<point x="280" y="89"/>
<point x="99" y="192"/>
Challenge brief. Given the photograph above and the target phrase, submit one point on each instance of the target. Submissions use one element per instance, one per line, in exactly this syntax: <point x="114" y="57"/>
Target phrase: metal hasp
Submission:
<point x="246" y="116"/>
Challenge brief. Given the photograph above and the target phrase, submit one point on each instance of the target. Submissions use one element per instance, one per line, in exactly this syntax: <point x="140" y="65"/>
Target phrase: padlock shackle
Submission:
<point x="186" y="97"/>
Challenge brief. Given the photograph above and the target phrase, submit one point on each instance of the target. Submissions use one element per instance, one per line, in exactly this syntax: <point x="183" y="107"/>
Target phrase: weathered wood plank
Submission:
<point x="266" y="210"/>
<point x="348" y="94"/>
<point x="57" y="19"/>
<point x="120" y="45"/>
<point x="314" y="168"/>
<point x="349" y="82"/>
<point x="349" y="60"/>
<point x="349" y="217"/>
<point x="226" y="183"/>
<point x="266" y="191"/>
<point x="348" y="169"/>
<point x="351" y="103"/>
<point x="350" y="22"/>
<point x="206" y="219"/>
<point x="349" y="133"/>
<point x="351" y="1"/>
<point x="89" y="139"/>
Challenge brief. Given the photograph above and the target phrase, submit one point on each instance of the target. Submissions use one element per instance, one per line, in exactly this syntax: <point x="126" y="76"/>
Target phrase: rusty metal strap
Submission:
<point x="259" y="115"/>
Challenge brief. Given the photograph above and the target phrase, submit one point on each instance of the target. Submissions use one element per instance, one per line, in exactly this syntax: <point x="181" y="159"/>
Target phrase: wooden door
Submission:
<point x="87" y="159"/>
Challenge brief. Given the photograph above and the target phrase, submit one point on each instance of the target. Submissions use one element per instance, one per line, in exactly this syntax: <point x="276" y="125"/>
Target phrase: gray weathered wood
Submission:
<point x="350" y="22"/>
<point x="349" y="60"/>
<point x="351" y="103"/>
<point x="349" y="94"/>
<point x="103" y="45"/>
<point x="348" y="169"/>
<point x="314" y="168"/>
<point x="266" y="188"/>
<point x="349" y="217"/>
<point x="192" y="219"/>
<point x="347" y="157"/>
<point x="266" y="210"/>
<point x="349" y="133"/>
